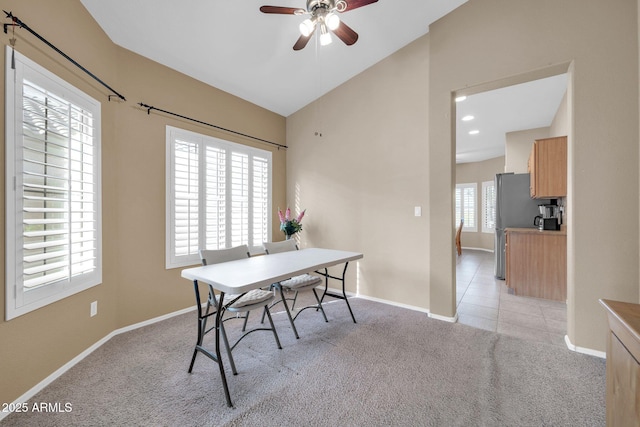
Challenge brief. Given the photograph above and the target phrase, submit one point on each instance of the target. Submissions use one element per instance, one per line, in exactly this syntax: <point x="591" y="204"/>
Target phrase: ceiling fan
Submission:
<point x="323" y="14"/>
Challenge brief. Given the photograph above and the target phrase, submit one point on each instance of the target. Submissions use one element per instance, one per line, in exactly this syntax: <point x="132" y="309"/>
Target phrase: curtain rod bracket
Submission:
<point x="7" y="26"/>
<point x="148" y="107"/>
<point x="14" y="21"/>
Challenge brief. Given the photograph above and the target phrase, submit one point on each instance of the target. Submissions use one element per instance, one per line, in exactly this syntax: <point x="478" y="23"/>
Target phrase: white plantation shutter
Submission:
<point x="53" y="189"/>
<point x="469" y="206"/>
<point x="218" y="196"/>
<point x="186" y="186"/>
<point x="261" y="200"/>
<point x="466" y="206"/>
<point x="239" y="199"/>
<point x="488" y="207"/>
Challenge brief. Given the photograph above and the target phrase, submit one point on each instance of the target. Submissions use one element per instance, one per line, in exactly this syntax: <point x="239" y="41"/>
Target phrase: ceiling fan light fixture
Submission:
<point x="333" y="21"/>
<point x="306" y="27"/>
<point x="325" y="36"/>
<point x="322" y="14"/>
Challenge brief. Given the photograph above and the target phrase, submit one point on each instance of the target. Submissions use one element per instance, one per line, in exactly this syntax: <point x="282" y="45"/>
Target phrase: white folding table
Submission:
<point x="241" y="276"/>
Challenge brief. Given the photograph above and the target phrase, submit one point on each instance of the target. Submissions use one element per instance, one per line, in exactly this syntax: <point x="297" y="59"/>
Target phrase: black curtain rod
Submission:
<point x="149" y="108"/>
<point x="17" y="21"/>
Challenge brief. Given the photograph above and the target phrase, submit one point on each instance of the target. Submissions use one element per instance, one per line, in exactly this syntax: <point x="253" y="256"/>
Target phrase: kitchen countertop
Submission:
<point x="535" y="230"/>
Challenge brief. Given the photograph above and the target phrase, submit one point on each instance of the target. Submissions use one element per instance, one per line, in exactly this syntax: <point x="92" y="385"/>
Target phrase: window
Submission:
<point x="466" y="206"/>
<point x="218" y="196"/>
<point x="488" y="207"/>
<point x="52" y="188"/>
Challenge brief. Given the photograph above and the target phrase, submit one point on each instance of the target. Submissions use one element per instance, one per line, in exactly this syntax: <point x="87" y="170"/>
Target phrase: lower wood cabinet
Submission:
<point x="623" y="369"/>
<point x="536" y="263"/>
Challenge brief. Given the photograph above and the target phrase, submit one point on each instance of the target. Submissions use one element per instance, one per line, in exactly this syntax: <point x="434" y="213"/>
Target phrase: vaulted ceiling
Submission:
<point x="234" y="47"/>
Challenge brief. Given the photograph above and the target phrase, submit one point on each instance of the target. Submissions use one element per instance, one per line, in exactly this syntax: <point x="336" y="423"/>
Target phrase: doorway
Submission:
<point x="494" y="132"/>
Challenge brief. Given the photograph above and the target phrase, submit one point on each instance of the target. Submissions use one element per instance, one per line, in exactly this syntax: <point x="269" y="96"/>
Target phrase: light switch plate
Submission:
<point x="417" y="211"/>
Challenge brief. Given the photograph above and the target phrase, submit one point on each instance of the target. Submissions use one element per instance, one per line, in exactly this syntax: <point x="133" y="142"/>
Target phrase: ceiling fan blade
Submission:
<point x="346" y="34"/>
<point x="302" y="42"/>
<point x="279" y="9"/>
<point x="354" y="4"/>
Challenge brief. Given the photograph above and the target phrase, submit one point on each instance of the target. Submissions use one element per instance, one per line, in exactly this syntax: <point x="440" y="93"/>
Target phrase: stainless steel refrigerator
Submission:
<point x="514" y="208"/>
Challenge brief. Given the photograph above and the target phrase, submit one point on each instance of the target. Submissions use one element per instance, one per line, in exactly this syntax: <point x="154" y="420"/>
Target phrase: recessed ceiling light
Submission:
<point x="474" y="132"/>
<point x="461" y="98"/>
<point x="467" y="118"/>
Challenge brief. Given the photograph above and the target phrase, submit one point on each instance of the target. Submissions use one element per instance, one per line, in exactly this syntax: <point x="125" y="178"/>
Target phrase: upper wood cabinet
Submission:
<point x="548" y="168"/>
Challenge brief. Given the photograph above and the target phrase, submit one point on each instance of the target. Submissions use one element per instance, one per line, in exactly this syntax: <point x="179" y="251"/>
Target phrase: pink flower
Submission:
<point x="280" y="215"/>
<point x="287" y="215"/>
<point x="299" y="219"/>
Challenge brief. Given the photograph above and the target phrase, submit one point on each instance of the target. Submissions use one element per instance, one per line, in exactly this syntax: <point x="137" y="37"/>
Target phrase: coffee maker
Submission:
<point x="550" y="217"/>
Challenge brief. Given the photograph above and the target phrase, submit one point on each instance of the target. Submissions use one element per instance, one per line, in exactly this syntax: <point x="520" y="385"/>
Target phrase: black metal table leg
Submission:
<point x="327" y="276"/>
<point x="218" y="356"/>
<point x="202" y="321"/>
<point x="201" y="325"/>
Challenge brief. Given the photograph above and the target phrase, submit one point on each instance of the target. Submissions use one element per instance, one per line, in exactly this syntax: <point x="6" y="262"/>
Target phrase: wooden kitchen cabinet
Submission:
<point x="623" y="369"/>
<point x="536" y="263"/>
<point x="548" y="168"/>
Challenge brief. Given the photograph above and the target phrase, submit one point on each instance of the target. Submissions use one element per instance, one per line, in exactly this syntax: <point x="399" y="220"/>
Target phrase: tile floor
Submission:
<point x="484" y="302"/>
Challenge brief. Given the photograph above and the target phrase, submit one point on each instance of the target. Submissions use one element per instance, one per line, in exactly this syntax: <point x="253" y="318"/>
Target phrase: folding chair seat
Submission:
<point x="301" y="283"/>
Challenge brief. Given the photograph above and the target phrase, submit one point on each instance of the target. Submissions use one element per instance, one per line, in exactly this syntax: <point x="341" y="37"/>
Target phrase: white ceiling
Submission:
<point x="231" y="45"/>
<point x="520" y="107"/>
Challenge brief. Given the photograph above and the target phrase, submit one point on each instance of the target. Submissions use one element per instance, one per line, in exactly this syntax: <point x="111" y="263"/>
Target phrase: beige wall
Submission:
<point x="135" y="286"/>
<point x="362" y="179"/>
<point x="500" y="40"/>
<point x="518" y="147"/>
<point x="560" y="124"/>
<point x="479" y="172"/>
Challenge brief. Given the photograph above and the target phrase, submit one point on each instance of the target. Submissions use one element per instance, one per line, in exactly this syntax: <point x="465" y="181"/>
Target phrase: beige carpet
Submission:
<point x="395" y="367"/>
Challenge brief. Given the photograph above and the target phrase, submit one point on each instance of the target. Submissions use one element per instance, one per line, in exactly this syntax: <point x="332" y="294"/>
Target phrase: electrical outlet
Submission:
<point x="94" y="308"/>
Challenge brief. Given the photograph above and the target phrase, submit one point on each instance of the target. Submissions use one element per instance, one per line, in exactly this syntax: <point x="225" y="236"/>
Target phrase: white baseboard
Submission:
<point x="395" y="304"/>
<point x="453" y="319"/>
<point x="55" y="375"/>
<point x="478" y="249"/>
<point x="584" y="350"/>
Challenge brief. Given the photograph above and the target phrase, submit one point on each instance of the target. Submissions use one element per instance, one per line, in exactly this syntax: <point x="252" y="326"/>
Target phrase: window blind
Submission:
<point x="186" y="197"/>
<point x="216" y="198"/>
<point x="466" y="206"/>
<point x="53" y="201"/>
<point x="219" y="195"/>
<point x="488" y="206"/>
<point x="261" y="200"/>
<point x="239" y="199"/>
<point x="59" y="208"/>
